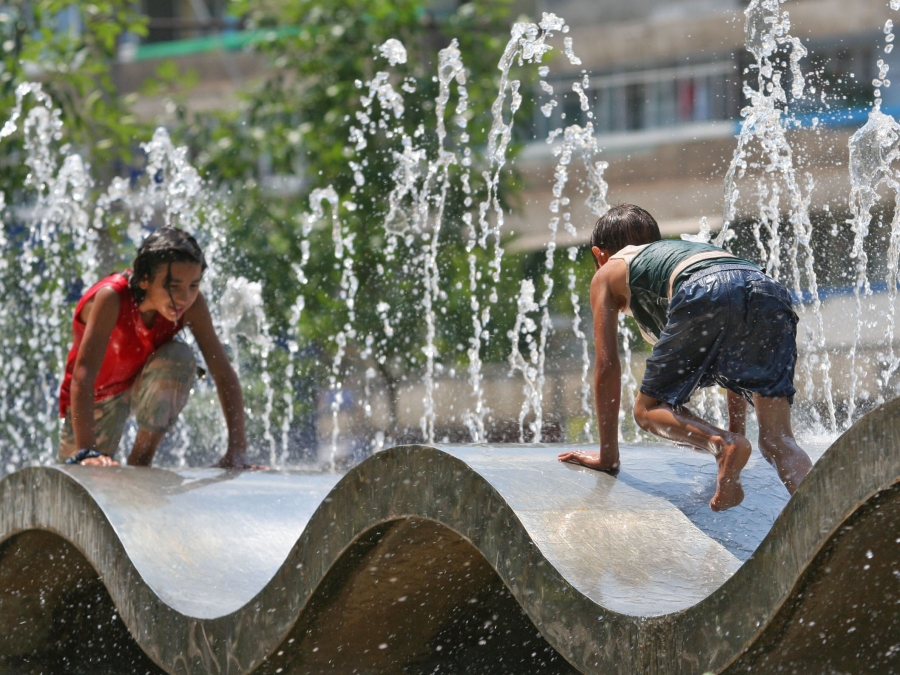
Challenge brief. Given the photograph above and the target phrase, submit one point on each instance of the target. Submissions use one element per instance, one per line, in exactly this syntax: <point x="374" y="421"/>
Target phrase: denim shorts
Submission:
<point x="729" y="326"/>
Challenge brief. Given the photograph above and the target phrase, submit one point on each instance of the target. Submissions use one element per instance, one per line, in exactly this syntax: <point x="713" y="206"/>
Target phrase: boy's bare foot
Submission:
<point x="591" y="460"/>
<point x="735" y="451"/>
<point x="731" y="494"/>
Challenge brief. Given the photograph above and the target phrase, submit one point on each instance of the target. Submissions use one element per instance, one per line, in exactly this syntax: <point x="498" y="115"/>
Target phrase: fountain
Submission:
<point x="413" y="227"/>
<point x="473" y="530"/>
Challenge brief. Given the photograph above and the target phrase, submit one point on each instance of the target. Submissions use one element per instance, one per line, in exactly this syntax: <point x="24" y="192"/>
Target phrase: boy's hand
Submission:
<point x="592" y="460"/>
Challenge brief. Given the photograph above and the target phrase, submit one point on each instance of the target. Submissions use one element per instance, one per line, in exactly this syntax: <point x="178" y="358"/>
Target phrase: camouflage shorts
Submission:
<point x="157" y="397"/>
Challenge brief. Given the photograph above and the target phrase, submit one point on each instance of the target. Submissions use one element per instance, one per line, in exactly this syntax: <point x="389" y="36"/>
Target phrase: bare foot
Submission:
<point x="591" y="460"/>
<point x="735" y="451"/>
<point x="728" y="495"/>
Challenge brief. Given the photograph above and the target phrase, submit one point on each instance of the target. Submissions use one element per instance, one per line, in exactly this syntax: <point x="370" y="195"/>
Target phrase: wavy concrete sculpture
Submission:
<point x="458" y="559"/>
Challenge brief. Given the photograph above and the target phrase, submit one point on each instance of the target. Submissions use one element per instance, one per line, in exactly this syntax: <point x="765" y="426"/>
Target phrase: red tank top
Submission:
<point x="130" y="344"/>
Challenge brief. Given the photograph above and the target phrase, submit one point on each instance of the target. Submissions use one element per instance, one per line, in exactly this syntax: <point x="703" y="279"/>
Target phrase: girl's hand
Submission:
<point x="103" y="460"/>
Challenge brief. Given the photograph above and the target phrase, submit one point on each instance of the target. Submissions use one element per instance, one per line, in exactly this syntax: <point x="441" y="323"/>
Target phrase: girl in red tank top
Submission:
<point x="124" y="358"/>
<point x="130" y="344"/>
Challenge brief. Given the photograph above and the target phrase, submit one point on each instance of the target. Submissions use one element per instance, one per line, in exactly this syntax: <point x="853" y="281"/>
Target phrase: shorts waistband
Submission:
<point x="724" y="267"/>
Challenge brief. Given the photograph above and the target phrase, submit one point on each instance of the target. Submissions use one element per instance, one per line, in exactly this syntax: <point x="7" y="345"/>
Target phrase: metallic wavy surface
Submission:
<point x="458" y="559"/>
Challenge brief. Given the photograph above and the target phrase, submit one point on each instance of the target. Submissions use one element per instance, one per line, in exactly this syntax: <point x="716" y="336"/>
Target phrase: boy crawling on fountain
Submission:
<point x="713" y="319"/>
<point x="124" y="357"/>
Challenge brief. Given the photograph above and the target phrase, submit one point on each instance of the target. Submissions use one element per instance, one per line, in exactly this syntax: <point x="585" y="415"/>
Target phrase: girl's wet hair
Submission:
<point x="624" y="225"/>
<point x="164" y="246"/>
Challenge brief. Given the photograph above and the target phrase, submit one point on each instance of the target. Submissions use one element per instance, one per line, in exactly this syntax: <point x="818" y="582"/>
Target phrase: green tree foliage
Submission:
<point x="71" y="53"/>
<point x="297" y="123"/>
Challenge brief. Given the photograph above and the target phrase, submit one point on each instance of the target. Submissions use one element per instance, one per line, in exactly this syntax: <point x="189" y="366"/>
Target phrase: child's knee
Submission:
<point x="175" y="352"/>
<point x="641" y="417"/>
<point x="164" y="387"/>
<point x="158" y="408"/>
<point x="172" y="366"/>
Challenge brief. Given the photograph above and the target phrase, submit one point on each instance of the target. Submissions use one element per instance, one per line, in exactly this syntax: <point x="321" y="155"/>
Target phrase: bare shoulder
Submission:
<point x="609" y="285"/>
<point x="104" y="303"/>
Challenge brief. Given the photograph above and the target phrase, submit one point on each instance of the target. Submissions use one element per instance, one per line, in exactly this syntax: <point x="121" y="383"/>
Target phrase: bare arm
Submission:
<point x="227" y="384"/>
<point x="99" y="316"/>
<point x="606" y="304"/>
<point x="607" y="372"/>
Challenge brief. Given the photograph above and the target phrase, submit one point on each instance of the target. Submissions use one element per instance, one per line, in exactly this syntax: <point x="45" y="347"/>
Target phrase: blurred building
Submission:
<point x="665" y="89"/>
<point x="666" y="79"/>
<point x="201" y="37"/>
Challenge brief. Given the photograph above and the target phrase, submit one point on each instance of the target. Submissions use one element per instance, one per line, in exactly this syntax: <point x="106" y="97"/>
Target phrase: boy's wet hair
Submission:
<point x="624" y="225"/>
<point x="164" y="246"/>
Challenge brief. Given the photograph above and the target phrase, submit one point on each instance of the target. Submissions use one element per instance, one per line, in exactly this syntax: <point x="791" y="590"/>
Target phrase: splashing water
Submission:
<point x="528" y="44"/>
<point x="581" y="140"/>
<point x="242" y="315"/>
<point x="873" y="149"/>
<point x="575" y="139"/>
<point x="767" y="29"/>
<point x="529" y="366"/>
<point x="416" y="203"/>
<point x="450" y="69"/>
<point x="394" y="51"/>
<point x="55" y="248"/>
<point x="64" y="233"/>
<point x="349" y="285"/>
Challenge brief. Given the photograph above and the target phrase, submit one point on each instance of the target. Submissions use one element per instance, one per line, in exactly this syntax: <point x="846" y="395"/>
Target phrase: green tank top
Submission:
<point x="656" y="271"/>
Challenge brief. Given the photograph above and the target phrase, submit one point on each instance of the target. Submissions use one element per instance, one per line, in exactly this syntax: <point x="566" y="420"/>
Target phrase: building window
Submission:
<point x="647" y="99"/>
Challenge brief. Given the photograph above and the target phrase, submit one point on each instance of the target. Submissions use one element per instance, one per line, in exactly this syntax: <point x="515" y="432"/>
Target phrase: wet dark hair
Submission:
<point x="164" y="246"/>
<point x="624" y="225"/>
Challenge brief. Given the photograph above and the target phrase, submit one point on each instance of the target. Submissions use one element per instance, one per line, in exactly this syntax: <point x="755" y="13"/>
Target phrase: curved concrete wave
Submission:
<point x="462" y="559"/>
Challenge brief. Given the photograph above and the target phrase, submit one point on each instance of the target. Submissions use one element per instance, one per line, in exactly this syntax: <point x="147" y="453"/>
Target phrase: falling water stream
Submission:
<point x="873" y="150"/>
<point x="767" y="33"/>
